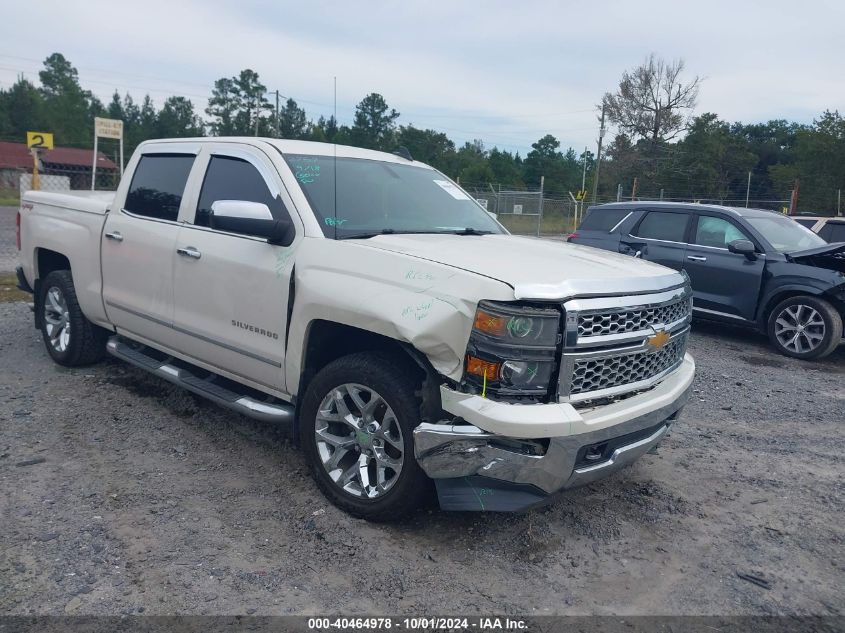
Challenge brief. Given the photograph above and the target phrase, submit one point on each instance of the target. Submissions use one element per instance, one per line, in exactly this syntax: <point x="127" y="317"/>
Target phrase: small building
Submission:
<point x="70" y="163"/>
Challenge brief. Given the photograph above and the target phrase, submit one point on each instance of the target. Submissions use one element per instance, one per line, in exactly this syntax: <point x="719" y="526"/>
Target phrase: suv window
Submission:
<point x="229" y="178"/>
<point x="158" y="184"/>
<point x="662" y="225"/>
<point x="602" y="219"/>
<point x="717" y="232"/>
<point x="833" y="232"/>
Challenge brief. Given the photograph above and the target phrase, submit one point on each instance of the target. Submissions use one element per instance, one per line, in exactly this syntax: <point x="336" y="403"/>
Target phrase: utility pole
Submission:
<point x="278" y="134"/>
<point x="619" y="192"/>
<point x="793" y="202"/>
<point x="634" y="190"/>
<point x="584" y="173"/>
<point x="839" y="202"/>
<point x="598" y="154"/>
<point x="540" y="214"/>
<point x="748" y="190"/>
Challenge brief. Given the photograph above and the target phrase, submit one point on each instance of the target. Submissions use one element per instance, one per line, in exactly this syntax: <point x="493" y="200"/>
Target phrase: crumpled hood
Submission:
<point x="535" y="268"/>
<point x="828" y="249"/>
<point x="829" y="256"/>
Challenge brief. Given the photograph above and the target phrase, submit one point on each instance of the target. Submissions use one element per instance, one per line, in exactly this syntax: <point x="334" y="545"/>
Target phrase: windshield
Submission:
<point x="785" y="234"/>
<point x="377" y="196"/>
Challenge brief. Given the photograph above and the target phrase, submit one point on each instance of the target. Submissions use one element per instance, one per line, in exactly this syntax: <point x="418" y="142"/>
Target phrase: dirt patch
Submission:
<point x="9" y="290"/>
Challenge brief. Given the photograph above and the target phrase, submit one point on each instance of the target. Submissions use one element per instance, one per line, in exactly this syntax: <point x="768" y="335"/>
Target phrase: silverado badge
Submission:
<point x="658" y="340"/>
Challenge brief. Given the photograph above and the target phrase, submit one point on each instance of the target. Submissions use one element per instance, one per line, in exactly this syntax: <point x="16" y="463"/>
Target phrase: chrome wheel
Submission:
<point x="359" y="440"/>
<point x="57" y="319"/>
<point x="799" y="328"/>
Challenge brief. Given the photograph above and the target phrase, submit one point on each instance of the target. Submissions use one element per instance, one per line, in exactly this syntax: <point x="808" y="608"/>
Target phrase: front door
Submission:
<point x="139" y="247"/>
<point x="231" y="290"/>
<point x="723" y="283"/>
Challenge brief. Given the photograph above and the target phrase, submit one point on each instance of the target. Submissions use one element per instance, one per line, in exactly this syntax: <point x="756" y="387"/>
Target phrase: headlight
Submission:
<point x="512" y="349"/>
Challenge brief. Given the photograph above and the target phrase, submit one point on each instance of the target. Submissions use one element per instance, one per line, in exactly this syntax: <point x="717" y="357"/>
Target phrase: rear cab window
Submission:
<point x="598" y="219"/>
<point x="158" y="184"/>
<point x="663" y="225"/>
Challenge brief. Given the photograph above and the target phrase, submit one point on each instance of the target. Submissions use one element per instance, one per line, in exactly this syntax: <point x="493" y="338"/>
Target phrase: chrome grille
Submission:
<point x="613" y="371"/>
<point x="632" y="320"/>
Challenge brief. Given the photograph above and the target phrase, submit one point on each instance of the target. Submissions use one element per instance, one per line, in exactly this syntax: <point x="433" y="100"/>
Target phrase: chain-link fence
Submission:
<point x="530" y="212"/>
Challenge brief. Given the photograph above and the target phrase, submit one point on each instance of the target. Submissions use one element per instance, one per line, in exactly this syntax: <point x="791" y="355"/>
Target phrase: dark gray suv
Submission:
<point x="747" y="266"/>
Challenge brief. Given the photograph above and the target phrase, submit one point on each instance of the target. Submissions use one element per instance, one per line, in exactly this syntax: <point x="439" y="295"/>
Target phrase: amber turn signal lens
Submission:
<point x="490" y="323"/>
<point x="479" y="367"/>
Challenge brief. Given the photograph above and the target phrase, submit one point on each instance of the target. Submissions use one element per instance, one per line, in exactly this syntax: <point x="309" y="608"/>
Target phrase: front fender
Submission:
<point x="427" y="305"/>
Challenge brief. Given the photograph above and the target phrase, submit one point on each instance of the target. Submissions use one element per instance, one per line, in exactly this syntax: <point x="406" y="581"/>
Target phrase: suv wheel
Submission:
<point x="70" y="338"/>
<point x="356" y="425"/>
<point x="805" y="327"/>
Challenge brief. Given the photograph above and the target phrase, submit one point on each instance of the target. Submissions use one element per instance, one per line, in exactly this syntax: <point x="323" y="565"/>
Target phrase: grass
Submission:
<point x="9" y="292"/>
<point x="527" y="224"/>
<point x="9" y="198"/>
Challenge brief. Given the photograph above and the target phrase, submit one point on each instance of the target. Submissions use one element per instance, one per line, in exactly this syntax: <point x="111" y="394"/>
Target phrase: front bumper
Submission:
<point x="475" y="468"/>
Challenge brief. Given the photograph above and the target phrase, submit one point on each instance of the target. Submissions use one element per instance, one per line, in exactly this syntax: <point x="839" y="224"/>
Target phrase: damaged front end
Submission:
<point x="556" y="396"/>
<point x="830" y="256"/>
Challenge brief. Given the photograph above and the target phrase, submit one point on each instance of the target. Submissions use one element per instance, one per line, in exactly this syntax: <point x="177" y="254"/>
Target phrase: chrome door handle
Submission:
<point x="115" y="235"/>
<point x="697" y="258"/>
<point x="189" y="251"/>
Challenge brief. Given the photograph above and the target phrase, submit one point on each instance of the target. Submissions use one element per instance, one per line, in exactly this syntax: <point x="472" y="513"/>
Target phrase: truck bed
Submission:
<point x="71" y="224"/>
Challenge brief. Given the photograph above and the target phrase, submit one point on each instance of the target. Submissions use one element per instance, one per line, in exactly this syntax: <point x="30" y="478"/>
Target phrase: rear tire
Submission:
<point x="356" y="426"/>
<point x="805" y="327"/>
<point x="70" y="338"/>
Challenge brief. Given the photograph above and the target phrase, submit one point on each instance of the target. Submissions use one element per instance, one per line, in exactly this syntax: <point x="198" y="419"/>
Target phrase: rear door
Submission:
<point x="659" y="236"/>
<point x="231" y="290"/>
<point x="723" y="283"/>
<point x="598" y="228"/>
<point x="139" y="246"/>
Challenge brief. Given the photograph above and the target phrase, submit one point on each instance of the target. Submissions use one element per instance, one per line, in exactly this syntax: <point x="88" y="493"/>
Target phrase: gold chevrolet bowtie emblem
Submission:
<point x="658" y="340"/>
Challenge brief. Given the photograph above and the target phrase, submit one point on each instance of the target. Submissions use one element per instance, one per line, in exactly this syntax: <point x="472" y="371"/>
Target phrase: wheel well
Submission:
<point x="327" y="341"/>
<point x="48" y="261"/>
<point x="776" y="299"/>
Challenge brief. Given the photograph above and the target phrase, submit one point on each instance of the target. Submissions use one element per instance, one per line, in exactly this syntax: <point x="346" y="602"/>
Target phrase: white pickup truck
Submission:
<point x="366" y="300"/>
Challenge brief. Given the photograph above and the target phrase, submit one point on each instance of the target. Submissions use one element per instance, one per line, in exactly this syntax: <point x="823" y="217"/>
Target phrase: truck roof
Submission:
<point x="286" y="146"/>
<point x="655" y="204"/>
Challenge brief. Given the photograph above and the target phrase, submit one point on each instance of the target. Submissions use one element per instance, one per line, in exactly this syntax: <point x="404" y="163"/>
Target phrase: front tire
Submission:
<point x="356" y="426"/>
<point x="70" y="338"/>
<point x="805" y="327"/>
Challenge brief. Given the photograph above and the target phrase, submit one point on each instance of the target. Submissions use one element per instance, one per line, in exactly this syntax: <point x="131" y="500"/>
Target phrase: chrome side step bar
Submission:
<point x="269" y="411"/>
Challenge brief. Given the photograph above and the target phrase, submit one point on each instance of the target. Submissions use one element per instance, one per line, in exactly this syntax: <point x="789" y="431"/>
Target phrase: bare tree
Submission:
<point x="652" y="101"/>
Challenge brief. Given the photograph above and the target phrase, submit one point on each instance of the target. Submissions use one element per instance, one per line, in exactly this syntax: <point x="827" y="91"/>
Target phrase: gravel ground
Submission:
<point x="120" y="494"/>
<point x="8" y="250"/>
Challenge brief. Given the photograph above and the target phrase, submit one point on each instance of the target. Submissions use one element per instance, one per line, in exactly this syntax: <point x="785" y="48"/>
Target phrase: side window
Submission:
<point x="229" y="178"/>
<point x="661" y="225"/>
<point x="602" y="219"/>
<point x="809" y="223"/>
<point x="158" y="184"/>
<point x="716" y="232"/>
<point x="835" y="232"/>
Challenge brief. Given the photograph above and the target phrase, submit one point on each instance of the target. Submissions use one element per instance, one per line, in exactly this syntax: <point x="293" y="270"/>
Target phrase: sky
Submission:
<point x="505" y="72"/>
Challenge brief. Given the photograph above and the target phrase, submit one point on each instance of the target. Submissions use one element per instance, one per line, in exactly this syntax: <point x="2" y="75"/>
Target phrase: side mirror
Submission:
<point x="250" y="218"/>
<point x="742" y="247"/>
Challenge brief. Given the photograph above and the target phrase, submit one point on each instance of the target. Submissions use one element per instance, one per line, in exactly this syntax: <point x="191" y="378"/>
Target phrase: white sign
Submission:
<point x="108" y="128"/>
<point x="452" y="190"/>
<point x="517" y="208"/>
<point x="482" y="202"/>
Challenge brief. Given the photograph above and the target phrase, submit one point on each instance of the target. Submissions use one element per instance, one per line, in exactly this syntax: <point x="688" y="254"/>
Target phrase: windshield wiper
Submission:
<point x="470" y="231"/>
